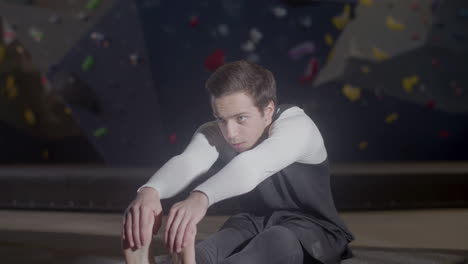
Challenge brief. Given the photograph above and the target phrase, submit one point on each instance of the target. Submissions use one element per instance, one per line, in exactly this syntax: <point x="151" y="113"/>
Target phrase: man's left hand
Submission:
<point x="183" y="219"/>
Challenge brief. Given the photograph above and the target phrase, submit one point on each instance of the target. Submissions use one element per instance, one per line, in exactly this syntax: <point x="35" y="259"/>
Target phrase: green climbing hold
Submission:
<point x="100" y="132"/>
<point x="92" y="4"/>
<point x="87" y="63"/>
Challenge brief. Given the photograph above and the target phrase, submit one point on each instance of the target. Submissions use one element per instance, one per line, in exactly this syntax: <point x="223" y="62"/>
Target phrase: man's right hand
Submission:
<point x="142" y="218"/>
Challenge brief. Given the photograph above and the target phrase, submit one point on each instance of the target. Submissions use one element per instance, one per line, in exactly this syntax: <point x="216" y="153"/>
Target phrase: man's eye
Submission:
<point x="241" y="118"/>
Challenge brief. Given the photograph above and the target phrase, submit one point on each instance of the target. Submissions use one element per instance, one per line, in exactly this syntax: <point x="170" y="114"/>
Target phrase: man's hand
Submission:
<point x="183" y="219"/>
<point x="142" y="218"/>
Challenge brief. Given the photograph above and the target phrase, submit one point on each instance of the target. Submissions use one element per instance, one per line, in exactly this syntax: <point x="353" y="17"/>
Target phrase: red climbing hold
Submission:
<point x="215" y="60"/>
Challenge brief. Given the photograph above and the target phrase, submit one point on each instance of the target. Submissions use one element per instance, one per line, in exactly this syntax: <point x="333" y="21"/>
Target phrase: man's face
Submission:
<point x="240" y="121"/>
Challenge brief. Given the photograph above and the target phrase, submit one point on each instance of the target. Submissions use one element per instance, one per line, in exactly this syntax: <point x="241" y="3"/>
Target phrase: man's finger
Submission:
<point x="169" y="220"/>
<point x="145" y="225"/>
<point x="188" y="234"/>
<point x="174" y="228"/>
<point x="181" y="233"/>
<point x="157" y="223"/>
<point x="128" y="229"/>
<point x="136" y="227"/>
<point x="122" y="230"/>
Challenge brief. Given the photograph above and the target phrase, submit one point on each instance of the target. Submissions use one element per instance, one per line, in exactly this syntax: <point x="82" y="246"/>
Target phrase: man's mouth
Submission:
<point x="237" y="145"/>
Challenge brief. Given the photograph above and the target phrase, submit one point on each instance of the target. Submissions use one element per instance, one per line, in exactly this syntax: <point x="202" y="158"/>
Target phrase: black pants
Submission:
<point x="246" y="239"/>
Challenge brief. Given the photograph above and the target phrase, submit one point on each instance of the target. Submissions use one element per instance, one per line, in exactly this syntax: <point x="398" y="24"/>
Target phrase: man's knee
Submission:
<point x="281" y="238"/>
<point x="206" y="253"/>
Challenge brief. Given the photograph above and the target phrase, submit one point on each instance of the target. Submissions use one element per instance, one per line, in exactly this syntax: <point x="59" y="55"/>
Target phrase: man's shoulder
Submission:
<point x="212" y="132"/>
<point x="292" y="114"/>
<point x="209" y="129"/>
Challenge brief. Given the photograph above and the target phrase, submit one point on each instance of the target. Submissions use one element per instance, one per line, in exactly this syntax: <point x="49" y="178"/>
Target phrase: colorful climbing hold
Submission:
<point x="352" y="93"/>
<point x="248" y="46"/>
<point x="300" y="50"/>
<point x="443" y="134"/>
<point x="93" y="4"/>
<point x="365" y="69"/>
<point x="82" y="16"/>
<point x="100" y="132"/>
<point x="173" y="138"/>
<point x="393" y="24"/>
<point x="30" y="117"/>
<point x="194" y="21"/>
<point x="88" y="62"/>
<point x="54" y="19"/>
<point x="255" y="35"/>
<point x="430" y="104"/>
<point x="305" y="22"/>
<point x="363" y="145"/>
<point x="2" y="52"/>
<point x="67" y="110"/>
<point x="342" y="20"/>
<point x="379" y="54"/>
<point x="97" y="36"/>
<point x="10" y="86"/>
<point x="391" y="118"/>
<point x="36" y="34"/>
<point x="279" y="12"/>
<point x="45" y="154"/>
<point x="134" y="59"/>
<point x="214" y="60"/>
<point x="329" y="39"/>
<point x="415" y="36"/>
<point x="20" y="50"/>
<point x="311" y="71"/>
<point x="223" y="30"/>
<point x="409" y="82"/>
<point x="366" y="3"/>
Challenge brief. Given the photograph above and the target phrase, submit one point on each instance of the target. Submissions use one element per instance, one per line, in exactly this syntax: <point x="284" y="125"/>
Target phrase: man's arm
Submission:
<point x="181" y="170"/>
<point x="292" y="138"/>
<point x="144" y="214"/>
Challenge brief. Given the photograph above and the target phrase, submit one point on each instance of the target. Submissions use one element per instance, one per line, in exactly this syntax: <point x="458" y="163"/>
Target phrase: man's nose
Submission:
<point x="231" y="130"/>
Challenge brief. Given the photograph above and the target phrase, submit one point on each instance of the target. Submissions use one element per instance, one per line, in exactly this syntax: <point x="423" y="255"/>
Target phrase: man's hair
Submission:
<point x="243" y="76"/>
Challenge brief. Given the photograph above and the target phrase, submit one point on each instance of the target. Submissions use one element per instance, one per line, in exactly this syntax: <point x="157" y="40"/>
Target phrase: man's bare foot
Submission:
<point x="187" y="255"/>
<point x="143" y="255"/>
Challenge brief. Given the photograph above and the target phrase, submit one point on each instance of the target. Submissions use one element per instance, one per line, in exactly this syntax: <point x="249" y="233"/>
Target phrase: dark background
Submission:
<point x="148" y="112"/>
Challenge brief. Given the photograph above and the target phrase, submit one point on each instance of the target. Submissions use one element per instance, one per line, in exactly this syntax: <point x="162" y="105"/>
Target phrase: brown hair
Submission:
<point x="243" y="76"/>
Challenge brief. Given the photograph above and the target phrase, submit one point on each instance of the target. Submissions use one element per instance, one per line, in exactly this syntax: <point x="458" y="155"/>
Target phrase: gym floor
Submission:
<point x="71" y="237"/>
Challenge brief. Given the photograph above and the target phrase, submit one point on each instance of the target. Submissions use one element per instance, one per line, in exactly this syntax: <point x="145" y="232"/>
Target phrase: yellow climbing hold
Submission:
<point x="45" y="154"/>
<point x="391" y="118"/>
<point x="363" y="145"/>
<point x="365" y="69"/>
<point x="409" y="82"/>
<point x="20" y="50"/>
<point x="340" y="21"/>
<point x="2" y="53"/>
<point x="366" y="2"/>
<point x="67" y="110"/>
<point x="393" y="24"/>
<point x="30" y="117"/>
<point x="329" y="39"/>
<point x="352" y="93"/>
<point x="379" y="54"/>
<point x="11" y="90"/>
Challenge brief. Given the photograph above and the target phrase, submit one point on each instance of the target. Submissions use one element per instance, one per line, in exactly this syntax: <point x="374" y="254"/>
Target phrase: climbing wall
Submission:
<point x="384" y="80"/>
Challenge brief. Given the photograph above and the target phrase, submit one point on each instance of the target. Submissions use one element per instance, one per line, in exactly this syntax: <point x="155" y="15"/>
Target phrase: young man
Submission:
<point x="274" y="155"/>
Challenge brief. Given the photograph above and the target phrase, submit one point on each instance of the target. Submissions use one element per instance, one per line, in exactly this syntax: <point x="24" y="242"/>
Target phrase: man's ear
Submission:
<point x="269" y="109"/>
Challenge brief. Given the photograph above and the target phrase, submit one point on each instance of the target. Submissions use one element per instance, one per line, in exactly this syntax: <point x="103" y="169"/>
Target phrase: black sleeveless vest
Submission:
<point x="302" y="190"/>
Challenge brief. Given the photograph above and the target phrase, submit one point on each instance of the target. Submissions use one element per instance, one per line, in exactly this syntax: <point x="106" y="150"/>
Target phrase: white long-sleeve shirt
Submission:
<point x="293" y="137"/>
